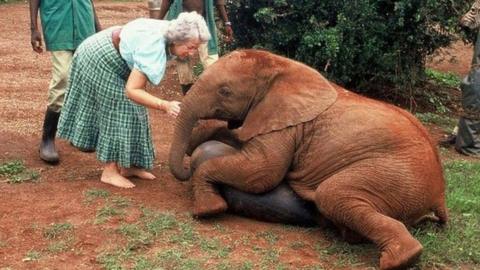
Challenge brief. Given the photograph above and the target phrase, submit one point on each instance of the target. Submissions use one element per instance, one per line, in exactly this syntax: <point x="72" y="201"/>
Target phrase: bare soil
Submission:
<point x="58" y="196"/>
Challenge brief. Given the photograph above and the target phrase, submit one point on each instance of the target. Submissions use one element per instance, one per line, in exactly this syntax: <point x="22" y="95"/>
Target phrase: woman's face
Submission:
<point x="185" y="49"/>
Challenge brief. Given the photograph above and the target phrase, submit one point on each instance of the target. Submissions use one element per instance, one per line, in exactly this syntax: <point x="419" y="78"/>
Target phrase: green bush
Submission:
<point x="363" y="44"/>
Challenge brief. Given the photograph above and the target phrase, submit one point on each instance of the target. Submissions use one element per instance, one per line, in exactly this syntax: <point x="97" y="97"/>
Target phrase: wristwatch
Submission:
<point x="228" y="23"/>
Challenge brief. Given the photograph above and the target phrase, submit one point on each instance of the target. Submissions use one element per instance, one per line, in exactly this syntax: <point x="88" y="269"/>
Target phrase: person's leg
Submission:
<point x="206" y="59"/>
<point x="468" y="137"/>
<point x="185" y="74"/>
<point x="449" y="139"/>
<point x="111" y="175"/>
<point x="61" y="61"/>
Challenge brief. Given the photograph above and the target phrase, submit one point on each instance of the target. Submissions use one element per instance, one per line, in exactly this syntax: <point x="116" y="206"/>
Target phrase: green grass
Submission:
<point x="137" y="236"/>
<point x="93" y="194"/>
<point x="166" y="240"/>
<point x="178" y="259"/>
<point x="270" y="236"/>
<point x="11" y="168"/>
<point x="121" y="202"/>
<point x="179" y="239"/>
<point x="61" y="237"/>
<point x="346" y="254"/>
<point x="106" y="212"/>
<point x="113" y="207"/>
<point x="113" y="260"/>
<point x="214" y="247"/>
<point x="459" y="242"/>
<point x="158" y="223"/>
<point x="445" y="122"/>
<point x="32" y="255"/>
<point x="15" y="172"/>
<point x="59" y="246"/>
<point x="442" y="78"/>
<point x="57" y="230"/>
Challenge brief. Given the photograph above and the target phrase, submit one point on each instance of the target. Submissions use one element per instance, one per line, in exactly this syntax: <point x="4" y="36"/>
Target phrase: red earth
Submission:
<point x="58" y="196"/>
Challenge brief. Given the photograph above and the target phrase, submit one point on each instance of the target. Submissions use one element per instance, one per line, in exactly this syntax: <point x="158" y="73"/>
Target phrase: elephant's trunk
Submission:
<point x="181" y="137"/>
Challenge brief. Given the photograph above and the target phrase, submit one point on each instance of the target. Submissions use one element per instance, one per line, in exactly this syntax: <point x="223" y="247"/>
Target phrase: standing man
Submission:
<point x="208" y="53"/>
<point x="65" y="24"/>
<point x="466" y="137"/>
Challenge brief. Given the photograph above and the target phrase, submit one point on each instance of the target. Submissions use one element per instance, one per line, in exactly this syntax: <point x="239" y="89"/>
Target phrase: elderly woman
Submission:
<point x="106" y="103"/>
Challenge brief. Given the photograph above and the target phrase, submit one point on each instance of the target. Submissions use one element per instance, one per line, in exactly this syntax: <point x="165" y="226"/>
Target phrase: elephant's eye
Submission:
<point x="225" y="91"/>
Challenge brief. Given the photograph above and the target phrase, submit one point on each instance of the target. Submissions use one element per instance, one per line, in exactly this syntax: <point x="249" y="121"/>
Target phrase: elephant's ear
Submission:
<point x="290" y="99"/>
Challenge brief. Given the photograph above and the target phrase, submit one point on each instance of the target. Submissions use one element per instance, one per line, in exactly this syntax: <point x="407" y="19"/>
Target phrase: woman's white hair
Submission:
<point x="188" y="25"/>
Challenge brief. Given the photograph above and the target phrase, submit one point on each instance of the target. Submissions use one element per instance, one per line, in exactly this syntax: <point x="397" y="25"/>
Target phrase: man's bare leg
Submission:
<point x="138" y="172"/>
<point x="111" y="175"/>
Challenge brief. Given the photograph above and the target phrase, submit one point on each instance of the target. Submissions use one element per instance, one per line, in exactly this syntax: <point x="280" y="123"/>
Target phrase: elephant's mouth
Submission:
<point x="223" y="115"/>
<point x="234" y="124"/>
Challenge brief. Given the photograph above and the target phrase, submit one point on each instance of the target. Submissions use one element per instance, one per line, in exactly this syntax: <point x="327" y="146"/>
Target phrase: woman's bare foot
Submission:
<point x="138" y="172"/>
<point x="112" y="176"/>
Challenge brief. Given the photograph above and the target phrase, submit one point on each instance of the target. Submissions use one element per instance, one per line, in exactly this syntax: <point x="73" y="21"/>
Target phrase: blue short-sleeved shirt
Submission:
<point x="143" y="47"/>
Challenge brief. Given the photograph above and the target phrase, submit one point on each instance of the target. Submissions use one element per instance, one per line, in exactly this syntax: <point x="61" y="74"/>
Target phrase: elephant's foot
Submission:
<point x="208" y="204"/>
<point x="400" y="253"/>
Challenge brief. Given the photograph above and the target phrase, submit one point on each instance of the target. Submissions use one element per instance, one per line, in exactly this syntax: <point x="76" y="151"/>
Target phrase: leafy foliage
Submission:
<point x="364" y="44"/>
<point x="16" y="172"/>
<point x="446" y="79"/>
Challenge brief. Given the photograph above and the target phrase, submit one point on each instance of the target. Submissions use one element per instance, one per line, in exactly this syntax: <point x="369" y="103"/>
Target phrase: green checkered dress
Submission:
<point x="97" y="114"/>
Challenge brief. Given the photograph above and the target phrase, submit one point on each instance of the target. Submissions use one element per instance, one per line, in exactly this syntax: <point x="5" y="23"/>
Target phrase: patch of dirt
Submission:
<point x="455" y="59"/>
<point x="58" y="197"/>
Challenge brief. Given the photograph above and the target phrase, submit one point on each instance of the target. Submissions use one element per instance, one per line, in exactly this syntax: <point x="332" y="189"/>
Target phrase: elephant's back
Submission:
<point x="380" y="129"/>
<point x="378" y="143"/>
<point x="366" y="117"/>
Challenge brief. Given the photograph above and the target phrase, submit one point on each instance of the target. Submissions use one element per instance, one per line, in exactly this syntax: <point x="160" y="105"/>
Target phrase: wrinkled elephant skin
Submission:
<point x="368" y="166"/>
<point x="280" y="205"/>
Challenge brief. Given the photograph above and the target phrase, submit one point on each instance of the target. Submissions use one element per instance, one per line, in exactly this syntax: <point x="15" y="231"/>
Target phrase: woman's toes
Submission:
<point x="118" y="181"/>
<point x="140" y="173"/>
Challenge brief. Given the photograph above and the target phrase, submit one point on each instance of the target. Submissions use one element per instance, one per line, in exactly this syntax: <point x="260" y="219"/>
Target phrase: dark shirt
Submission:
<point x="66" y="23"/>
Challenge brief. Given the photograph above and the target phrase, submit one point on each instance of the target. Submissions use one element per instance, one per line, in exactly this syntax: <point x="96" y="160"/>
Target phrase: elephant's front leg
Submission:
<point x="259" y="166"/>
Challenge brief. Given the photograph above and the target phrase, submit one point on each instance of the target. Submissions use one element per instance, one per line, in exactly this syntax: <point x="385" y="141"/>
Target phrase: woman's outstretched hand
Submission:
<point x="172" y="108"/>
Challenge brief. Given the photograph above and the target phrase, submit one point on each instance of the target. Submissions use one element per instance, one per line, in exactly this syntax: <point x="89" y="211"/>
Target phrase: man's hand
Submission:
<point x="228" y="34"/>
<point x="36" y="41"/>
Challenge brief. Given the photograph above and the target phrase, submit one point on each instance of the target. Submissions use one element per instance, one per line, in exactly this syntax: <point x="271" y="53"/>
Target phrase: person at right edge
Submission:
<point x="65" y="25"/>
<point x="208" y="53"/>
<point x="467" y="139"/>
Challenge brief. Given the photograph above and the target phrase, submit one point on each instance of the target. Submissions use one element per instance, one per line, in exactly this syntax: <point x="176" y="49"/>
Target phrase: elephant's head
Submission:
<point x="257" y="90"/>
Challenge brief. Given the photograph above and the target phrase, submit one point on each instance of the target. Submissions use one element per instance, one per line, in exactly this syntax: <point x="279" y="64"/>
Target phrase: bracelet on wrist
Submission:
<point x="162" y="106"/>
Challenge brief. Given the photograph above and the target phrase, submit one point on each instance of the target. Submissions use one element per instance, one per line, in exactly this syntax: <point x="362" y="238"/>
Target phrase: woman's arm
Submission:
<point x="135" y="90"/>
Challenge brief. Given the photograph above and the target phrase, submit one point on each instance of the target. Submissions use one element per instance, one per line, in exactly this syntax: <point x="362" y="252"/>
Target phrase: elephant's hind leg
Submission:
<point x="346" y="205"/>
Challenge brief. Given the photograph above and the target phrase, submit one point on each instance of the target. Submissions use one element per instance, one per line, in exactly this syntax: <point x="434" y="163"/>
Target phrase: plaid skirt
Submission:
<point x="97" y="114"/>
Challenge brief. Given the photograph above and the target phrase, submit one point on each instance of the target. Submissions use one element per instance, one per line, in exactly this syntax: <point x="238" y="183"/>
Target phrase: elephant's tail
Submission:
<point x="440" y="211"/>
<point x="439" y="216"/>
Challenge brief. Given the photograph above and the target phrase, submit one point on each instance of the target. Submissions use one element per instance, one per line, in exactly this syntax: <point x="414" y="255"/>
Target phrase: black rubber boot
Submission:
<point x="448" y="141"/>
<point x="48" y="152"/>
<point x="185" y="88"/>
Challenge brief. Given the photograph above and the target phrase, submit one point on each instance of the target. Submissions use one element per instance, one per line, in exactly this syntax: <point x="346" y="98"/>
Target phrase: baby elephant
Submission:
<point x="369" y="167"/>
